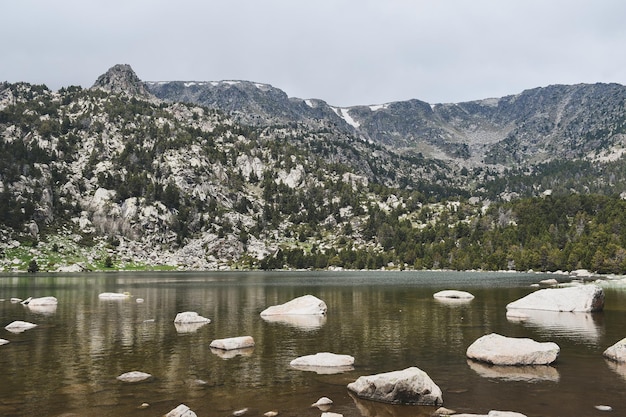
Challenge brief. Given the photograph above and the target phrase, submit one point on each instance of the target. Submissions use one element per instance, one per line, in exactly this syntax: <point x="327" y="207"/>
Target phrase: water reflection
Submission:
<point x="515" y="373"/>
<point x="300" y="321"/>
<point x="231" y="353"/>
<point x="323" y="370"/>
<point x="188" y="327"/>
<point x="577" y="326"/>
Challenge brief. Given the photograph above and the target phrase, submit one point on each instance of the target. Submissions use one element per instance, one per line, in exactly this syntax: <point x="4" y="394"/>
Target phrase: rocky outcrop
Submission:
<point x="121" y="78"/>
<point x="617" y="352"/>
<point x="410" y="386"/>
<point x="306" y="304"/>
<point x="580" y="298"/>
<point x="501" y="350"/>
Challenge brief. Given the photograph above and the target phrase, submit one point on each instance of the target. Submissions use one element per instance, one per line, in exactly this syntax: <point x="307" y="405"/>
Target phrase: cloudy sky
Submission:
<point x="346" y="52"/>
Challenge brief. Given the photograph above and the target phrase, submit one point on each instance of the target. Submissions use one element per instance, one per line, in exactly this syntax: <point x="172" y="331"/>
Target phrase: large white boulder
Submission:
<point x="584" y="298"/>
<point x="501" y="350"/>
<point x="134" y="376"/>
<point x="233" y="343"/>
<point x="190" y="317"/>
<point x="181" y="411"/>
<point x="617" y="352"/>
<point x="19" y="326"/>
<point x="410" y="386"/>
<point x="306" y="304"/>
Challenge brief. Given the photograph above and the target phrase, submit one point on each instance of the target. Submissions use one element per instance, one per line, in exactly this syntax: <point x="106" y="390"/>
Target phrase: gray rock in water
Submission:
<point x="306" y="304"/>
<point x="410" y="386"/>
<point x="501" y="350"/>
<point x="233" y="343"/>
<point x="134" y="376"/>
<point x="617" y="352"/>
<point x="181" y="411"/>
<point x="19" y="326"/>
<point x="581" y="298"/>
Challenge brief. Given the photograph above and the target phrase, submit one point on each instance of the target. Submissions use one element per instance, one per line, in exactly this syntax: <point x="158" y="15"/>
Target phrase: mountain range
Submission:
<point x="225" y="174"/>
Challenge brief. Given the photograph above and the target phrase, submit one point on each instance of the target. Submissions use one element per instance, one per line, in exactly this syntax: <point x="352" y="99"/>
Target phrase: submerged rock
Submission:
<point x="19" y="326"/>
<point x="181" y="411"/>
<point x="501" y="350"/>
<point x="583" y="298"/>
<point x="453" y="294"/>
<point x="306" y="304"/>
<point x="410" y="386"/>
<point x="113" y="295"/>
<point x="233" y="343"/>
<point x="134" y="376"/>
<point x="617" y="352"/>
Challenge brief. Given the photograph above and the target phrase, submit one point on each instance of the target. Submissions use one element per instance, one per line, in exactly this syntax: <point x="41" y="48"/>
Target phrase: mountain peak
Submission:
<point x="121" y="78"/>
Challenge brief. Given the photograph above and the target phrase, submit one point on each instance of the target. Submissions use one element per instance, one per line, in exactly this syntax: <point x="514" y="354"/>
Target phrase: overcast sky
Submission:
<point x="346" y="52"/>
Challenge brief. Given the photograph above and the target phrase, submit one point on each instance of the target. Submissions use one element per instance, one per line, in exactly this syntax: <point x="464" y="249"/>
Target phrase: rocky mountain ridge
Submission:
<point x="534" y="126"/>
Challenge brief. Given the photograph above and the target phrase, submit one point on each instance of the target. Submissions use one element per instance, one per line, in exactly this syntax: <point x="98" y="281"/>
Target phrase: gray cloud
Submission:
<point x="346" y="52"/>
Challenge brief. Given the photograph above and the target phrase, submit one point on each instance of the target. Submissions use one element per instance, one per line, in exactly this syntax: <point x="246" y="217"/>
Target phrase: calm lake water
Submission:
<point x="387" y="320"/>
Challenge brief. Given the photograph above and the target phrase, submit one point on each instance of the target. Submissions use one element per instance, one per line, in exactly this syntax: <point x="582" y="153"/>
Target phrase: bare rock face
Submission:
<point x="501" y="350"/>
<point x="582" y="298"/>
<point x="617" y="352"/>
<point x="121" y="78"/>
<point x="307" y="304"/>
<point x="410" y="386"/>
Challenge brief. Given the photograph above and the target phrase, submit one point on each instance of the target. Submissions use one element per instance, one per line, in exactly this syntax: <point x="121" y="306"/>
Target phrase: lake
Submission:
<point x="388" y="321"/>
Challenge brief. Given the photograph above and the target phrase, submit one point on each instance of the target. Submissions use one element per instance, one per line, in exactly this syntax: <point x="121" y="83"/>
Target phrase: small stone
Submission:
<point x="604" y="407"/>
<point x="144" y="405"/>
<point x="240" y="412"/>
<point x="271" y="413"/>
<point x="322" y="402"/>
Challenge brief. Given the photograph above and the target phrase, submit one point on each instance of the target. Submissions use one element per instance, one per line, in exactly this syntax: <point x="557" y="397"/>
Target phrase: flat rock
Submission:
<point x="190" y="317"/>
<point x="181" y="411"/>
<point x="410" y="386"/>
<point x="19" y="326"/>
<point x="453" y="294"/>
<point x="3" y="342"/>
<point x="580" y="298"/>
<point x="232" y="343"/>
<point x="324" y="363"/>
<point x="501" y="350"/>
<point x="134" y="376"/>
<point x="306" y="304"/>
<point x="617" y="352"/>
<point x="322" y="402"/>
